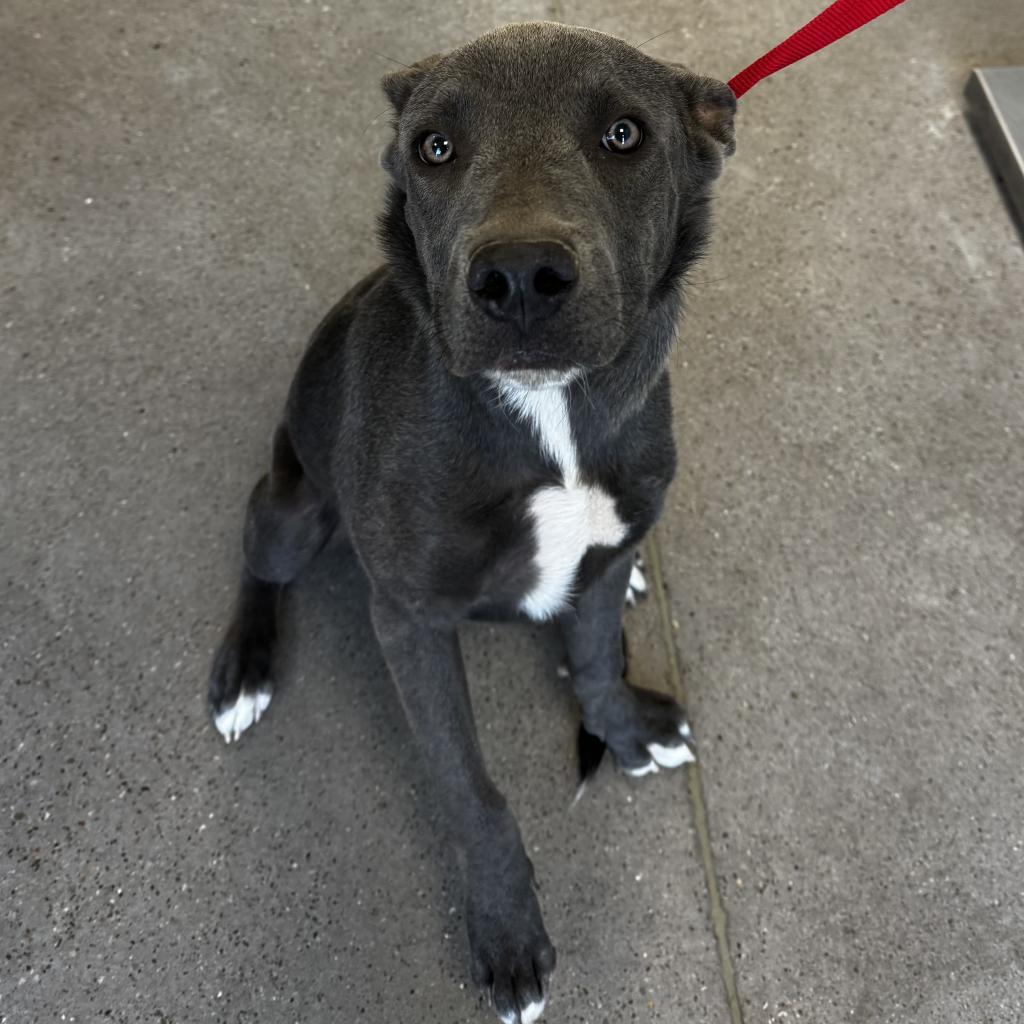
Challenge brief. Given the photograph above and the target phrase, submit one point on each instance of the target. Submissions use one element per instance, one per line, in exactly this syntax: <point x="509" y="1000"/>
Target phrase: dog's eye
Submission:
<point x="624" y="135"/>
<point x="436" y="148"/>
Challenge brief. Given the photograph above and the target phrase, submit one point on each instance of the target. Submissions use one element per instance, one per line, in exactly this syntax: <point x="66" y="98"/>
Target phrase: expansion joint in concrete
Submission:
<point x="719" y="920"/>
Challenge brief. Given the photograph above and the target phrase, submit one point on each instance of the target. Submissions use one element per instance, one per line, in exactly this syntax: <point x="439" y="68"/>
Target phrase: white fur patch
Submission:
<point x="667" y="757"/>
<point x="637" y="580"/>
<point x="567" y="519"/>
<point x="527" y="1016"/>
<point x="234" y="719"/>
<point x="532" y="1012"/>
<point x="545" y="406"/>
<point x="671" y="757"/>
<point x="637" y="586"/>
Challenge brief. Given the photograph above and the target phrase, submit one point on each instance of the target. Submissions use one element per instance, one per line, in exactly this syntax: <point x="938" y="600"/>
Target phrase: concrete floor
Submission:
<point x="185" y="190"/>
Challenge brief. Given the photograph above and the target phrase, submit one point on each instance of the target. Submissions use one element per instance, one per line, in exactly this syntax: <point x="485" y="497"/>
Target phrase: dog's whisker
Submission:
<point x="585" y="387"/>
<point x="501" y="400"/>
<point x="376" y="118"/>
<point x="652" y="38"/>
<point x="384" y="56"/>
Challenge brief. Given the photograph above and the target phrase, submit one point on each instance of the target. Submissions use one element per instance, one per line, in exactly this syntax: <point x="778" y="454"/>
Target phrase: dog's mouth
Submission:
<point x="534" y="371"/>
<point x="533" y="361"/>
<point x="534" y="380"/>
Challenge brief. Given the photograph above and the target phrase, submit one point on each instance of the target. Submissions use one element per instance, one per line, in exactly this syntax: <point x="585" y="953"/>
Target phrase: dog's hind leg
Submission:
<point x="643" y="729"/>
<point x="286" y="524"/>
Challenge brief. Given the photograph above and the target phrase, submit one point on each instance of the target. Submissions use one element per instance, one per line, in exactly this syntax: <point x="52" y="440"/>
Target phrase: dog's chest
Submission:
<point x="566" y="519"/>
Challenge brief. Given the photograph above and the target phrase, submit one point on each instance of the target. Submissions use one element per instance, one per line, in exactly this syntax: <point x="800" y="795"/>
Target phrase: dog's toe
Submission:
<point x="519" y="999"/>
<point x="246" y="710"/>
<point x="532" y="1011"/>
<point x="649" y="734"/>
<point x="513" y="960"/>
<point x="636" y="589"/>
<point x="526" y="1015"/>
<point x="672" y="757"/>
<point x="239" y="688"/>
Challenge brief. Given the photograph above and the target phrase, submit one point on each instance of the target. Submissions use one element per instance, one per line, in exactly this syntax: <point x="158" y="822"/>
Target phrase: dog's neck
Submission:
<point x="596" y="402"/>
<point x="544" y="404"/>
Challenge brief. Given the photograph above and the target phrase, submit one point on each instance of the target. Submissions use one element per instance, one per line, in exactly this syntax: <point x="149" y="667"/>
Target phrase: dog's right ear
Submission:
<point x="399" y="85"/>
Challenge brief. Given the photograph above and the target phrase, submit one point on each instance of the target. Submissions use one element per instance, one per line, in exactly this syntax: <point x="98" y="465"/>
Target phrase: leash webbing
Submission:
<point x="836" y="21"/>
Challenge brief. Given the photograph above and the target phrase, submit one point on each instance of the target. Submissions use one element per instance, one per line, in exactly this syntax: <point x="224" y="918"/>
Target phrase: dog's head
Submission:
<point x="550" y="188"/>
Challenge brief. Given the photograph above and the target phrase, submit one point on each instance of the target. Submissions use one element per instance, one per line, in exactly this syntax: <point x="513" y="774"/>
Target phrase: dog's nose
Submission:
<point x="521" y="282"/>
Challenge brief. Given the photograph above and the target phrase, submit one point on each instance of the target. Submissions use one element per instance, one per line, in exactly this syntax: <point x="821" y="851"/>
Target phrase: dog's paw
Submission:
<point x="247" y="709"/>
<point x="636" y="589"/>
<point x="512" y="958"/>
<point x="670" y="755"/>
<point x="649" y="731"/>
<point x="240" y="686"/>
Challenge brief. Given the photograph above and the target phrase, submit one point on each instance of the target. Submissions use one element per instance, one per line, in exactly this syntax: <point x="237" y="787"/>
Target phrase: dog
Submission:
<point x="486" y="418"/>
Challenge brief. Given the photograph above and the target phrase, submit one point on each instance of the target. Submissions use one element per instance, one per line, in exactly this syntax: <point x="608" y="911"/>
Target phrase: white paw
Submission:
<point x="668" y="757"/>
<point x="636" y="589"/>
<point x="233" y="720"/>
<point x="671" y="757"/>
<point x="677" y="754"/>
<point x="528" y="1016"/>
<point x="532" y="1012"/>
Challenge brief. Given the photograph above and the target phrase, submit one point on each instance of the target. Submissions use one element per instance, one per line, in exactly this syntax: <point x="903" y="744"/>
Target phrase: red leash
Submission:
<point x="836" y="21"/>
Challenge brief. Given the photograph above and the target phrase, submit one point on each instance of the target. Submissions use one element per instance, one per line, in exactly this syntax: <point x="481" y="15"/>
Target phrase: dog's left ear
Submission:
<point x="398" y="86"/>
<point x="710" y="107"/>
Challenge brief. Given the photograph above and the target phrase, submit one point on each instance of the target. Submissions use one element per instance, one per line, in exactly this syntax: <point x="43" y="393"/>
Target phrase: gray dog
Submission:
<point x="486" y="418"/>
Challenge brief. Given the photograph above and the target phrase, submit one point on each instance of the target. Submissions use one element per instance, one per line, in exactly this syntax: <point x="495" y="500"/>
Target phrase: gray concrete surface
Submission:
<point x="184" y="191"/>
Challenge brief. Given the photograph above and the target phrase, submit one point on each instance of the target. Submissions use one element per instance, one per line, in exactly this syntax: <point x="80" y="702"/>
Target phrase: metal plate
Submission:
<point x="995" y="107"/>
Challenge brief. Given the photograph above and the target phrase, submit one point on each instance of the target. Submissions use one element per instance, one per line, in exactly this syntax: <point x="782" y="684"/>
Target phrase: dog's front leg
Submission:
<point x="511" y="953"/>
<point x="643" y="729"/>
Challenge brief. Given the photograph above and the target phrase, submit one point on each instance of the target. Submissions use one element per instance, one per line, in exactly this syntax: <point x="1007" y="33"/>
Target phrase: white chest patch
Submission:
<point x="567" y="519"/>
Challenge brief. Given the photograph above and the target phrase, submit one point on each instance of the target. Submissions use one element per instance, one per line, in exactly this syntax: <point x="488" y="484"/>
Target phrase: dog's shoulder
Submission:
<point x="323" y="362"/>
<point x="346" y="352"/>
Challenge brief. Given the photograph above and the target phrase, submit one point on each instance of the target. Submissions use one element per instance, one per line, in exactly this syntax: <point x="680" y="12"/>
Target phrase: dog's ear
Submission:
<point x="399" y="85"/>
<point x="714" y="107"/>
<point x="709" y="104"/>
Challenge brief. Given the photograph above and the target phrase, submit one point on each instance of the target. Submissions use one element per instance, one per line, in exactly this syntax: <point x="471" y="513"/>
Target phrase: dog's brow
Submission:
<point x="446" y="101"/>
<point x="610" y="100"/>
